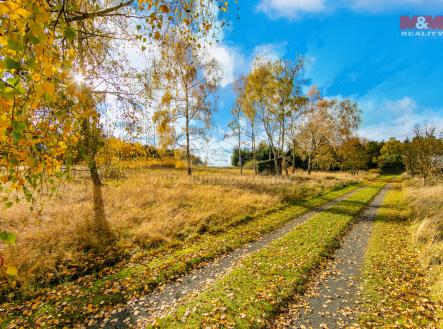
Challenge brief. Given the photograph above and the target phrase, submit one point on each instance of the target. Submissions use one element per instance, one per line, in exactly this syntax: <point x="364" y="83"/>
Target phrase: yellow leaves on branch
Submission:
<point x="40" y="102"/>
<point x="33" y="67"/>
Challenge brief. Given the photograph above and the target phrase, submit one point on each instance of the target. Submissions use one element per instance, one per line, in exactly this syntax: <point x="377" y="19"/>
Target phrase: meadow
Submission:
<point x="164" y="225"/>
<point x="147" y="209"/>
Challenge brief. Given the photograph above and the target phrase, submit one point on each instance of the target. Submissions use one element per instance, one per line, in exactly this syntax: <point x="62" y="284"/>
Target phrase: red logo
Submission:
<point x="421" y="23"/>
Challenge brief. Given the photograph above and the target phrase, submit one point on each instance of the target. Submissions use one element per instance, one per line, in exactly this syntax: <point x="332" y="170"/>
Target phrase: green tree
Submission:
<point x="390" y="159"/>
<point x="372" y="149"/>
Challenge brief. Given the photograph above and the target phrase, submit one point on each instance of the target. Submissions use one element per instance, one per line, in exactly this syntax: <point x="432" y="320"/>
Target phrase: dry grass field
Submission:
<point x="427" y="212"/>
<point x="148" y="208"/>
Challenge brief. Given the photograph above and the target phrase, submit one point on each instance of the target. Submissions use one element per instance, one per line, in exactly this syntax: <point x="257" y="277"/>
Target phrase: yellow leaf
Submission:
<point x="49" y="88"/>
<point x="3" y="9"/>
<point x="164" y="9"/>
<point x="22" y="12"/>
<point x="11" y="271"/>
<point x="4" y="124"/>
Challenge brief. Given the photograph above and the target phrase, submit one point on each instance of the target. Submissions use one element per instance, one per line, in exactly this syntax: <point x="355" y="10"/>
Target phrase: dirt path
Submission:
<point x="137" y="312"/>
<point x="332" y="301"/>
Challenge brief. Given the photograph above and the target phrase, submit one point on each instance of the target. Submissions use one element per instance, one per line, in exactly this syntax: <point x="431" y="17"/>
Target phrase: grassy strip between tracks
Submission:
<point x="75" y="301"/>
<point x="249" y="295"/>
<point x="395" y="289"/>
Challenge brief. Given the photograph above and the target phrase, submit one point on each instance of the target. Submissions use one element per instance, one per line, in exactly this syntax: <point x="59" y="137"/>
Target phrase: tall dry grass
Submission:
<point x="147" y="208"/>
<point x="426" y="204"/>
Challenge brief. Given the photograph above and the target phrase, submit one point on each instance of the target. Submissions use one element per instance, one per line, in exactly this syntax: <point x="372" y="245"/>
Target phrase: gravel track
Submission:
<point x="136" y="313"/>
<point x="333" y="299"/>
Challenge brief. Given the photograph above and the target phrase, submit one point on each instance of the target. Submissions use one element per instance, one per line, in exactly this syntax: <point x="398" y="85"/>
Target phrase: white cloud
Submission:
<point x="231" y="61"/>
<point x="294" y="8"/>
<point x="396" y="118"/>
<point x="219" y="152"/>
<point x="216" y="150"/>
<point x="235" y="63"/>
<point x="271" y="51"/>
<point x="290" y="8"/>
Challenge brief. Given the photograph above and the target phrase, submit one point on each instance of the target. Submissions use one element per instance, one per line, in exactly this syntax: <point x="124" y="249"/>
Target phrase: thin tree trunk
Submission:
<point x="239" y="149"/>
<point x="101" y="226"/>
<point x="309" y="164"/>
<point x="254" y="155"/>
<point x="92" y="164"/>
<point x="188" y="150"/>
<point x="293" y="158"/>
<point x="284" y="164"/>
<point x="155" y="144"/>
<point x="93" y="171"/>
<point x="277" y="167"/>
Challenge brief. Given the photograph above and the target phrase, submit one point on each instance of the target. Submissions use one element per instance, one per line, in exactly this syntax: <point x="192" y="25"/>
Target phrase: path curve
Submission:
<point x="332" y="301"/>
<point x="139" y="311"/>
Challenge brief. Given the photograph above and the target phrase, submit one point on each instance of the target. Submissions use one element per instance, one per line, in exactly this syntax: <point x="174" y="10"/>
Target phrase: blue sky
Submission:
<point x="354" y="50"/>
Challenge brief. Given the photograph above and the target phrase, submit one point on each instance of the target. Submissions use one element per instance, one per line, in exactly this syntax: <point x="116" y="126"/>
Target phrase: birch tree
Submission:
<point x="47" y="49"/>
<point x="189" y="79"/>
<point x="273" y="89"/>
<point x="236" y="125"/>
<point x="261" y="101"/>
<point x="289" y="76"/>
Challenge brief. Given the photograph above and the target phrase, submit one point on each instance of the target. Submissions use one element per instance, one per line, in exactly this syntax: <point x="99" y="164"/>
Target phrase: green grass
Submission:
<point x="395" y="289"/>
<point x="75" y="301"/>
<point x="251" y="293"/>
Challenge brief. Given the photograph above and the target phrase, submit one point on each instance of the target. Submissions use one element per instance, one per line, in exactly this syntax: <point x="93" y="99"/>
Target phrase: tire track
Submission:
<point x="333" y="300"/>
<point x="137" y="312"/>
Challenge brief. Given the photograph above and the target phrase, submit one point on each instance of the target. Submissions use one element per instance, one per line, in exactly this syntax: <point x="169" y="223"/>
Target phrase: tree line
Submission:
<point x="276" y="125"/>
<point x="421" y="156"/>
<point x="271" y="104"/>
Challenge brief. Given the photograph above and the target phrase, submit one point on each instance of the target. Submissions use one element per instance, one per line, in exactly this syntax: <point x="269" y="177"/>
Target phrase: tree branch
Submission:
<point x="103" y="12"/>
